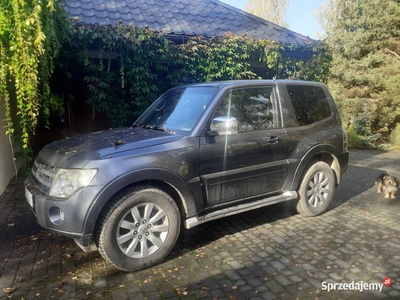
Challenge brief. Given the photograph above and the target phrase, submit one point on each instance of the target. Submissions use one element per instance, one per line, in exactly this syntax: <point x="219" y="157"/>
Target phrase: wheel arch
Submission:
<point x="164" y="180"/>
<point x="324" y="152"/>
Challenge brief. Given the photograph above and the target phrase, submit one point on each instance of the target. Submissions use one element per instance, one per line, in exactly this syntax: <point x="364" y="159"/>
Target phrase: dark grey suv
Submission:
<point x="198" y="153"/>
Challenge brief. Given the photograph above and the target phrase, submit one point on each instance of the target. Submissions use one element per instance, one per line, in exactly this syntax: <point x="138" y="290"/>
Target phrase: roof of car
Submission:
<point x="181" y="17"/>
<point x="254" y="81"/>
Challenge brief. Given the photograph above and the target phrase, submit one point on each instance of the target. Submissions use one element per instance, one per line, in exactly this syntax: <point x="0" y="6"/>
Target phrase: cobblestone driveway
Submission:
<point x="270" y="253"/>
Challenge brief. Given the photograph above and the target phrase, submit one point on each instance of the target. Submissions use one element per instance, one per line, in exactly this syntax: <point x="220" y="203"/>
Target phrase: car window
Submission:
<point x="310" y="103"/>
<point x="253" y="108"/>
<point x="178" y="109"/>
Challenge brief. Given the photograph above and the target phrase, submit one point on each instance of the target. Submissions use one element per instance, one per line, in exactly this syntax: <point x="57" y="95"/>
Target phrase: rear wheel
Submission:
<point x="316" y="189"/>
<point x="139" y="229"/>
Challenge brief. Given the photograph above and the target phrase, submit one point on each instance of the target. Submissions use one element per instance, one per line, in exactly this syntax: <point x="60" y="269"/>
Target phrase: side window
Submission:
<point x="310" y="103"/>
<point x="253" y="108"/>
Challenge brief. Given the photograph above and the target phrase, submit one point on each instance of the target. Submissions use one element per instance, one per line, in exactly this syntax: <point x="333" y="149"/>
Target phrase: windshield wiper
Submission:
<point x="166" y="129"/>
<point x="153" y="127"/>
<point x="142" y="126"/>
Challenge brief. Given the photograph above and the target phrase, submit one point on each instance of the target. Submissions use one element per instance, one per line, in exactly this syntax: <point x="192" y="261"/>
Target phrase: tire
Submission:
<point x="139" y="229"/>
<point x="316" y="189"/>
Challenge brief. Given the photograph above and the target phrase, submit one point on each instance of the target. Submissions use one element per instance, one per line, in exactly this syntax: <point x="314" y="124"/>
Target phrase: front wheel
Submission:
<point x="139" y="229"/>
<point x="316" y="189"/>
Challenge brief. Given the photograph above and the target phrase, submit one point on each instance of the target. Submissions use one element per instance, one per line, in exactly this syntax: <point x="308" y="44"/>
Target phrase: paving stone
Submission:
<point x="136" y="296"/>
<point x="274" y="287"/>
<point x="268" y="295"/>
<point x="295" y="278"/>
<point x="336" y="276"/>
<point x="217" y="293"/>
<point x="277" y="265"/>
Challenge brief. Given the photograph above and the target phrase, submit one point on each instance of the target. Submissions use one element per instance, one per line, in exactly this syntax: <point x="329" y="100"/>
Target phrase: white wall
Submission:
<point x="6" y="162"/>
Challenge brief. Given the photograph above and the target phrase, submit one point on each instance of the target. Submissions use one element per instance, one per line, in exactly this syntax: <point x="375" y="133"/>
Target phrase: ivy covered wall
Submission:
<point x="125" y="68"/>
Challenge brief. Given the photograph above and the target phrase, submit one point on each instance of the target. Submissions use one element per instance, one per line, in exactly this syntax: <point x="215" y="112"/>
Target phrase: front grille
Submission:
<point x="43" y="173"/>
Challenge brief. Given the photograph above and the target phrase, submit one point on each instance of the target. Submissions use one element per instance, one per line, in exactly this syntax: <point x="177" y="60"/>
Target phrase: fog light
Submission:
<point x="56" y="215"/>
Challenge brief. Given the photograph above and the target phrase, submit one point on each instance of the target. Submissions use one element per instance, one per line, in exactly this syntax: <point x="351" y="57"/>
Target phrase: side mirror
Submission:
<point x="223" y="126"/>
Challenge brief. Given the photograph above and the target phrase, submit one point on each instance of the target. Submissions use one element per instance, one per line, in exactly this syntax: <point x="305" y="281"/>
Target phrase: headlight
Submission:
<point x="67" y="182"/>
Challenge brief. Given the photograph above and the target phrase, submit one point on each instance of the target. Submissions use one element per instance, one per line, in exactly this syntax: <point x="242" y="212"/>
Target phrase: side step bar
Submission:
<point x="229" y="211"/>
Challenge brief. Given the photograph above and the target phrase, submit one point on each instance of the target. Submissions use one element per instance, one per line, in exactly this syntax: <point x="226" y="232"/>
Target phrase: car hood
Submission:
<point x="76" y="152"/>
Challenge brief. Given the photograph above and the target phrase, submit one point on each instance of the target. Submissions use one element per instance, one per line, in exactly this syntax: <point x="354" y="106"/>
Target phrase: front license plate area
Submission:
<point x="29" y="197"/>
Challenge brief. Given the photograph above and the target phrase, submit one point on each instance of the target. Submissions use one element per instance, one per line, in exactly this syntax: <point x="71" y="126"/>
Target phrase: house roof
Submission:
<point x="181" y="17"/>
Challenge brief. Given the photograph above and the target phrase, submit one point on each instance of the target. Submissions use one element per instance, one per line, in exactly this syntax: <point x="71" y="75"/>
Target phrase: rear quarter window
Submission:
<point x="310" y="103"/>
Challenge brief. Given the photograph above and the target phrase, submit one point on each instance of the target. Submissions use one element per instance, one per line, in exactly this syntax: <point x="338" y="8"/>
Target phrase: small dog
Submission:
<point x="389" y="185"/>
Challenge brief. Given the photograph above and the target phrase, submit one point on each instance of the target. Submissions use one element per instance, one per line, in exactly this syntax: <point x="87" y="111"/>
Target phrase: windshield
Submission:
<point x="177" y="110"/>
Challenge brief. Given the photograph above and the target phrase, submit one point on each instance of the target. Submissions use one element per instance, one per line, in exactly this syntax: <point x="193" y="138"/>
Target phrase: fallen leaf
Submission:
<point x="183" y="292"/>
<point x="11" y="224"/>
<point x="9" y="290"/>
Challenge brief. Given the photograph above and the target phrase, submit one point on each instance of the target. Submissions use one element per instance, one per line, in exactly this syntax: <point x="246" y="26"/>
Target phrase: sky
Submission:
<point x="299" y="17"/>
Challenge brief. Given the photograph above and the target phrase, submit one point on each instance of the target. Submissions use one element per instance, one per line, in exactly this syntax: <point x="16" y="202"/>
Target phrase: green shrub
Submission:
<point x="395" y="135"/>
<point x="355" y="141"/>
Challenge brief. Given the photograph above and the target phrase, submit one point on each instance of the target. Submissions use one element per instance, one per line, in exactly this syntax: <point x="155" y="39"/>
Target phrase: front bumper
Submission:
<point x="64" y="216"/>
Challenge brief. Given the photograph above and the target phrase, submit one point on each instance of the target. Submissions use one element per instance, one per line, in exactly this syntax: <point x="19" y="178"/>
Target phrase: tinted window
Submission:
<point x="310" y="103"/>
<point x="253" y="108"/>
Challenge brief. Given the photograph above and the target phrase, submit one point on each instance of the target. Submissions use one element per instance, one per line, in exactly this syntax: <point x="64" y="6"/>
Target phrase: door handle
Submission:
<point x="274" y="139"/>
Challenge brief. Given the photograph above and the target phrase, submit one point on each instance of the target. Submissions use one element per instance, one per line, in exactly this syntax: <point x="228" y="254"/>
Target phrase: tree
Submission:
<point x="364" y="38"/>
<point x="271" y="10"/>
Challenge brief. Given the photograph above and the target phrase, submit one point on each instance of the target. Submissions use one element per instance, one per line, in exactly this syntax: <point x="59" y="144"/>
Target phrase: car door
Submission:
<point x="252" y="161"/>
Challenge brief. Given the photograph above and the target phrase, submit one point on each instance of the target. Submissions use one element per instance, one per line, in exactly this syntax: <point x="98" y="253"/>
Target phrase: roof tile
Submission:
<point x="186" y="17"/>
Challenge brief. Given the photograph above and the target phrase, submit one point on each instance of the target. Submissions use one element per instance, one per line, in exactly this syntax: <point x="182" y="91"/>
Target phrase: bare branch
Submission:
<point x="392" y="52"/>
